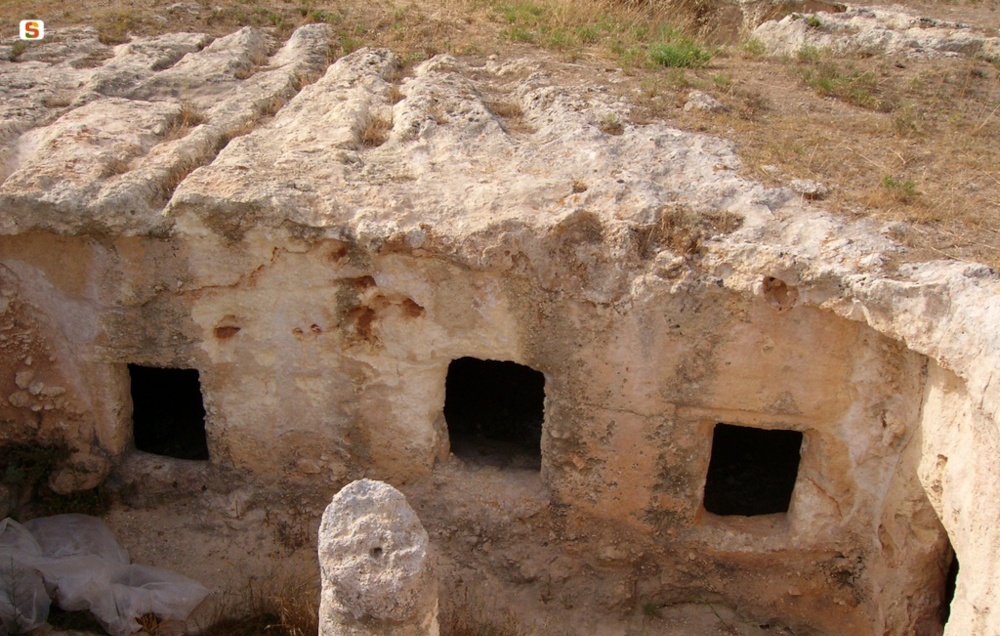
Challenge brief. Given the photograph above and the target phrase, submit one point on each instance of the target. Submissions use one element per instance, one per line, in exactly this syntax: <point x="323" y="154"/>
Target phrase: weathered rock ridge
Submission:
<point x="875" y="31"/>
<point x="320" y="241"/>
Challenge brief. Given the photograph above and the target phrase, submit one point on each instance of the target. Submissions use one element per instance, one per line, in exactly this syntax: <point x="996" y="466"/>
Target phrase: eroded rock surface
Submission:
<point x="321" y="241"/>
<point x="378" y="575"/>
<point x="876" y="30"/>
<point x="136" y="126"/>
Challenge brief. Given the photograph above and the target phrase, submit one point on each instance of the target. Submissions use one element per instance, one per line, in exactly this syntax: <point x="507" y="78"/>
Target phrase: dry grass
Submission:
<point x="116" y="166"/>
<point x="115" y="27"/>
<point x="277" y="607"/>
<point x="282" y="608"/>
<point x="376" y="132"/>
<point x="186" y="119"/>
<point x="919" y="145"/>
<point x="177" y="173"/>
<point x="471" y="615"/>
<point x="395" y="95"/>
<point x="683" y="231"/>
<point x="511" y="115"/>
<point x="506" y="110"/>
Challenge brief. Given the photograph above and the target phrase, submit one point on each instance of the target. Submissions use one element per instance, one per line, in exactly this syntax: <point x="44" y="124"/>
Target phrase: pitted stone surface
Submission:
<point x="377" y="572"/>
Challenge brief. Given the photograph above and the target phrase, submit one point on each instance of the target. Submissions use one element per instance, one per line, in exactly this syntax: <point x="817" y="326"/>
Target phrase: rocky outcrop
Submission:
<point x="377" y="573"/>
<point x="321" y="243"/>
<point x="875" y="31"/>
<point x="128" y="132"/>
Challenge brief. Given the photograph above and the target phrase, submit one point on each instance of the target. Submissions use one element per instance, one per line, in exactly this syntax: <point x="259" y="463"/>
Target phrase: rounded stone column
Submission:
<point x="378" y="578"/>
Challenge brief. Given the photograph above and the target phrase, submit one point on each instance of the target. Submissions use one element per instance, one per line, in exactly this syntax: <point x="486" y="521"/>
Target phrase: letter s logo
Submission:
<point x="32" y="29"/>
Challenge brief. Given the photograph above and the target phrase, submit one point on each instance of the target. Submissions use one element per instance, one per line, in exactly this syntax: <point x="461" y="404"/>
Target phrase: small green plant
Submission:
<point x="523" y="13"/>
<point x="18" y="48"/>
<point x="519" y="34"/>
<point x="904" y="191"/>
<point x="808" y="55"/>
<point x="753" y="48"/>
<point x="683" y="53"/>
<point x="722" y="80"/>
<point x="860" y="88"/>
<point x="558" y="38"/>
<point x="629" y="56"/>
<point x="611" y="125"/>
<point x="827" y="77"/>
<point x="907" y="121"/>
<point x="814" y="22"/>
<point x="349" y="45"/>
<point x="588" y="34"/>
<point x="677" y="78"/>
<point x="276" y="19"/>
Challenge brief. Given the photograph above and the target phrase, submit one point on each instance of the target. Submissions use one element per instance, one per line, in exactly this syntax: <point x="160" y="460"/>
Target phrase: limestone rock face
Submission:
<point x="138" y="124"/>
<point x="377" y="572"/>
<point x="322" y="240"/>
<point x="875" y="30"/>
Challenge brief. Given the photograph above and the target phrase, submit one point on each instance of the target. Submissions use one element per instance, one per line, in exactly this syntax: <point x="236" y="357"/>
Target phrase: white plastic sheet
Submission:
<point x="24" y="603"/>
<point x="76" y="535"/>
<point x="84" y="568"/>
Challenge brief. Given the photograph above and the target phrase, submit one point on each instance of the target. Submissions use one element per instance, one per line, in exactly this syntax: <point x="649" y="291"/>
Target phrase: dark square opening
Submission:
<point x="168" y="415"/>
<point x="752" y="471"/>
<point x="494" y="411"/>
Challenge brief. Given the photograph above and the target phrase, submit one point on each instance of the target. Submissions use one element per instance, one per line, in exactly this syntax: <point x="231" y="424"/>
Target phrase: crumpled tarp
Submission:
<point x="76" y="561"/>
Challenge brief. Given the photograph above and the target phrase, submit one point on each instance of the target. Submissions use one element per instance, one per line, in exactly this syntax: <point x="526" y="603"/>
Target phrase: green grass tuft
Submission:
<point x="904" y="191"/>
<point x="682" y="53"/>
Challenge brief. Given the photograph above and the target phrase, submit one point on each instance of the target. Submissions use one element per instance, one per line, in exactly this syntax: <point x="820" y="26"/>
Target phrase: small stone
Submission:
<point x="416" y="238"/>
<point x="185" y="7"/>
<point x="85" y="472"/>
<point x="309" y="466"/>
<point x="702" y="101"/>
<point x="809" y="189"/>
<point x="874" y="260"/>
<point x="237" y="503"/>
<point x="20" y="399"/>
<point x="23" y="378"/>
<point x="52" y="391"/>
